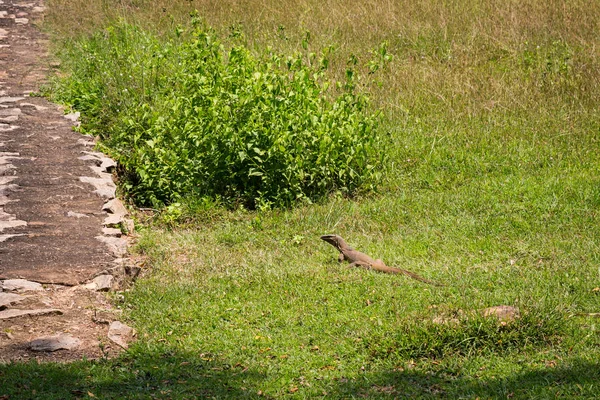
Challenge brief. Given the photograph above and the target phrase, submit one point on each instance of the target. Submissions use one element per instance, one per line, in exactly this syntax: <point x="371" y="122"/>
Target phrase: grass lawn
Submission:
<point x="491" y="186"/>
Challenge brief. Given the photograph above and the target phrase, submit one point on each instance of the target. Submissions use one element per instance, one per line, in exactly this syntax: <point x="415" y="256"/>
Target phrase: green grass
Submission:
<point x="491" y="186"/>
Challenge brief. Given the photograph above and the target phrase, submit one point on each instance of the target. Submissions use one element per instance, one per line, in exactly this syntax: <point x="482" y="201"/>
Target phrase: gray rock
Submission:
<point x="11" y="223"/>
<point x="4" y="238"/>
<point x="112" y="220"/>
<point x="37" y="108"/>
<point x="503" y="313"/>
<point x="10" y="99"/>
<point x="6" y="299"/>
<point x="10" y="111"/>
<point x="72" y="116"/>
<point x="115" y="206"/>
<point x="53" y="343"/>
<point x="106" y="164"/>
<point x="10" y="118"/>
<point x="21" y="285"/>
<point x="120" y="333"/>
<point x="117" y="246"/>
<point x="9" y="314"/>
<point x="105" y="187"/>
<point x="76" y="215"/>
<point x="129" y="225"/>
<point x="106" y="231"/>
<point x="101" y="283"/>
<point x="6" y="179"/>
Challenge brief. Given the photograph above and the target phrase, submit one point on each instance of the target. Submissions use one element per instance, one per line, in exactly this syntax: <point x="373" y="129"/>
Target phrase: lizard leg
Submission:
<point x="341" y="257"/>
<point x="360" y="264"/>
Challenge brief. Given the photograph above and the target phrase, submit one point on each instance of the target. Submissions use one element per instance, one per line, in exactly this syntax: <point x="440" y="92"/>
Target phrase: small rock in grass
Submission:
<point x="53" y="343"/>
<point x="72" y="116"/>
<point x="120" y="333"/>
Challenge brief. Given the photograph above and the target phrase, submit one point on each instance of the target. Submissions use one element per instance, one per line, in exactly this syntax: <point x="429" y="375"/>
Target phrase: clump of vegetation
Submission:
<point x="190" y="118"/>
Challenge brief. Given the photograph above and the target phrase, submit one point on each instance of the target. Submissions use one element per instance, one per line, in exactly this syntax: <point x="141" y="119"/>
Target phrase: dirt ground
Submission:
<point x="53" y="188"/>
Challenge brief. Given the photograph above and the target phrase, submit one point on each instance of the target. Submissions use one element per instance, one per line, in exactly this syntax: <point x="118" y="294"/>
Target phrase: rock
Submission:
<point x="117" y="246"/>
<point x="106" y="231"/>
<point x="8" y="314"/>
<point x="53" y="343"/>
<point x="10" y="111"/>
<point x="10" y="99"/>
<point x="72" y="116"/>
<point x="20" y="285"/>
<point x="4" y="238"/>
<point x="6" y="299"/>
<point x="76" y="215"/>
<point x="10" y="118"/>
<point x="101" y="283"/>
<point x="37" y="108"/>
<point x="105" y="164"/>
<point x="21" y="21"/>
<point x="503" y="313"/>
<point x="120" y="333"/>
<point x="115" y="206"/>
<point x="112" y="220"/>
<point x="129" y="225"/>
<point x="12" y="223"/>
<point x="105" y="187"/>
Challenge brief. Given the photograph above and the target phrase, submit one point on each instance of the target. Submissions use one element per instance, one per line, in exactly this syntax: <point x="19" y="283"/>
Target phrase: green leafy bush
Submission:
<point x="188" y="118"/>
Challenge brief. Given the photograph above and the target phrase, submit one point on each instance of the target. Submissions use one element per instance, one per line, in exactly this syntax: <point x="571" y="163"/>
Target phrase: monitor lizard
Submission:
<point x="358" y="259"/>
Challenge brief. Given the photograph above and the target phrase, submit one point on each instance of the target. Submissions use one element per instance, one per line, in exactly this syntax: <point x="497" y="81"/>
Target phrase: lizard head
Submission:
<point x="334" y="240"/>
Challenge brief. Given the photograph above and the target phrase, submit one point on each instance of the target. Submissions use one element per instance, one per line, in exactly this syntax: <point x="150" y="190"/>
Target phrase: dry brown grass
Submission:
<point x="457" y="58"/>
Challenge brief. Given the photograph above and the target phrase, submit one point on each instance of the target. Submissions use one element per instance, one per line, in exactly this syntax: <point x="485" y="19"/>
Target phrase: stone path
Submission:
<point x="59" y="222"/>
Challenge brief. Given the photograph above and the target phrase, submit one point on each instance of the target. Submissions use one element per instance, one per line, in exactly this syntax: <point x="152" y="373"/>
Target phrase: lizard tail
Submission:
<point x="417" y="277"/>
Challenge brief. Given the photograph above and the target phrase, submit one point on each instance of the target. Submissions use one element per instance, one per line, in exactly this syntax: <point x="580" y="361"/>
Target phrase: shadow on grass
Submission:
<point x="166" y="374"/>
<point x="162" y="374"/>
<point x="578" y="379"/>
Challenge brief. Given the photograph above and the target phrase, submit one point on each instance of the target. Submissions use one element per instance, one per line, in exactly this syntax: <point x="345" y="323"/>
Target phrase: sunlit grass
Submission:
<point x="491" y="187"/>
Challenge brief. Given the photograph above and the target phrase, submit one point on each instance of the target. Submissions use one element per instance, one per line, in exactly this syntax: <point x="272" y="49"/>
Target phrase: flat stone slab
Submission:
<point x="12" y="313"/>
<point x="4" y="238"/>
<point x="53" y="343"/>
<point x="20" y="285"/>
<point x="10" y="99"/>
<point x="7" y="299"/>
<point x="120" y="333"/>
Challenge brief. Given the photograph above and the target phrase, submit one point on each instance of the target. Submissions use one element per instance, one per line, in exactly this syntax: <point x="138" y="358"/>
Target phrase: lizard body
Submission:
<point x="358" y="259"/>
